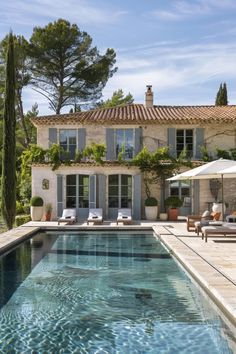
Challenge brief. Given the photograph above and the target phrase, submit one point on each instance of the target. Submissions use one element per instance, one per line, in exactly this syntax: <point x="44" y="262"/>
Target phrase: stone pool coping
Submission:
<point x="207" y="263"/>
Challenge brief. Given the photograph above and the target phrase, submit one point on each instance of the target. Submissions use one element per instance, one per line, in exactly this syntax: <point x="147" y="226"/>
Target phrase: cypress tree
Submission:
<point x="222" y="96"/>
<point x="218" y="96"/>
<point x="8" y="192"/>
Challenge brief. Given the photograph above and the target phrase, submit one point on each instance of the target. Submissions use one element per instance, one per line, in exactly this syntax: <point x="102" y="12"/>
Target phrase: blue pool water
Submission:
<point x="103" y="293"/>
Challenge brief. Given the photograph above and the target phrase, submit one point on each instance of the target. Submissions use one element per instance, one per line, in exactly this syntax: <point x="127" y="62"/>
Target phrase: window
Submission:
<point x="83" y="191"/>
<point x="181" y="189"/>
<point x="71" y="191"/>
<point x="77" y="191"/>
<point x="67" y="140"/>
<point x="184" y="140"/>
<point x="124" y="142"/>
<point x="120" y="191"/>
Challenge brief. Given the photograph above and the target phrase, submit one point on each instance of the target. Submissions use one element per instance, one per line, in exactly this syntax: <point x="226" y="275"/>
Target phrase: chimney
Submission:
<point x="149" y="97"/>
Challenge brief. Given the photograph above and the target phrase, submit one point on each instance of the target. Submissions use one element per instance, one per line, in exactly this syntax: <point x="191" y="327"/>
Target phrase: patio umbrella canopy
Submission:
<point x="220" y="168"/>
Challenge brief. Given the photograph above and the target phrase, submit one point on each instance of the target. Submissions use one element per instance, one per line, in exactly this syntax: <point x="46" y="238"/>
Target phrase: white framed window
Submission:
<point x="119" y="191"/>
<point x="124" y="143"/>
<point x="77" y="191"/>
<point x="68" y="141"/>
<point x="184" y="141"/>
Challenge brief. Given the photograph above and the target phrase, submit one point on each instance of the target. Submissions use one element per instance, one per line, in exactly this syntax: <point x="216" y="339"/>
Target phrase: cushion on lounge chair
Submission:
<point x="95" y="215"/>
<point x="68" y="214"/>
<point x="124" y="215"/>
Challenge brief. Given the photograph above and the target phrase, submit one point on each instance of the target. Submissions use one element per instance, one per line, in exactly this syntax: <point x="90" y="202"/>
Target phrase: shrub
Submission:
<point x="22" y="219"/>
<point x="36" y="201"/>
<point x="173" y="202"/>
<point x="19" y="208"/>
<point x="151" y="201"/>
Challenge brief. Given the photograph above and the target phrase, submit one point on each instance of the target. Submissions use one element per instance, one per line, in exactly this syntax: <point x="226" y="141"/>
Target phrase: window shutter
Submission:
<point x="81" y="139"/>
<point x="137" y="140"/>
<point x="110" y="144"/>
<point x="59" y="195"/>
<point x="199" y="142"/>
<point x="102" y="193"/>
<point x="171" y="136"/>
<point x="52" y="132"/>
<point x="137" y="197"/>
<point x="92" y="191"/>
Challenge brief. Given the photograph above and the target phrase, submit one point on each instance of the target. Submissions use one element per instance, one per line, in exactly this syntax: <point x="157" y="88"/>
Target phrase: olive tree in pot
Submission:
<point x="36" y="208"/>
<point x="156" y="167"/>
<point x="173" y="203"/>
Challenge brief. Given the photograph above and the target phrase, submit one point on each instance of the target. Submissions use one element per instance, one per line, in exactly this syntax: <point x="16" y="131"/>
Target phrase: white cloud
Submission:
<point x="25" y="12"/>
<point x="173" y="70"/>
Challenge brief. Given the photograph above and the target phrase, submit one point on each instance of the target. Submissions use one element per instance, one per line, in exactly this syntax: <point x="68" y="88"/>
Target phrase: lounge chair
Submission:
<point x="124" y="215"/>
<point x="207" y="215"/>
<point x="224" y="230"/>
<point x="95" y="216"/>
<point x="68" y="216"/>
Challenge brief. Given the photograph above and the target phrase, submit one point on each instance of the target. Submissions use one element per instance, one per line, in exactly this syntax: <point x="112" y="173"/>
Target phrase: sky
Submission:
<point x="183" y="48"/>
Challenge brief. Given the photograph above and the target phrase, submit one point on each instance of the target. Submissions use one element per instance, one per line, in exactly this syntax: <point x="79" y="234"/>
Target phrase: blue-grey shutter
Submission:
<point x="171" y="136"/>
<point x="59" y="195"/>
<point x="52" y="134"/>
<point x="137" y="197"/>
<point x="102" y="193"/>
<point x="199" y="142"/>
<point x="137" y="140"/>
<point x="110" y="144"/>
<point x="81" y="139"/>
<point x="92" y="191"/>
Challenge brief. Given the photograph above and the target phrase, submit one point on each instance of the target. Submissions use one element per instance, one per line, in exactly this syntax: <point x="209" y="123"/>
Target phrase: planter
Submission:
<point x="151" y="212"/>
<point x="173" y="214"/>
<point x="48" y="216"/>
<point x="36" y="213"/>
<point x="163" y="216"/>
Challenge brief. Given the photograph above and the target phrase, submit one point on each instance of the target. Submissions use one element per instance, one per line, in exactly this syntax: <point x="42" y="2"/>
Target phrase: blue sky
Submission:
<point x="184" y="49"/>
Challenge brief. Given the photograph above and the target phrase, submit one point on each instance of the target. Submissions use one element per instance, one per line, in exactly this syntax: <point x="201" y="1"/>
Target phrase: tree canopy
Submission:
<point x="65" y="67"/>
<point x="117" y="99"/>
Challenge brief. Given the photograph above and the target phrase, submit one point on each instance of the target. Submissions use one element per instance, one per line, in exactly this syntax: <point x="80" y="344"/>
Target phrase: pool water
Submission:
<point x="103" y="293"/>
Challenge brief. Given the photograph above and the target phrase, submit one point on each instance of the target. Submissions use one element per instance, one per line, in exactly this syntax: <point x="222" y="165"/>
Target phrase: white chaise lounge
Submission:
<point x="124" y="215"/>
<point x="227" y="229"/>
<point x="68" y="216"/>
<point x="95" y="216"/>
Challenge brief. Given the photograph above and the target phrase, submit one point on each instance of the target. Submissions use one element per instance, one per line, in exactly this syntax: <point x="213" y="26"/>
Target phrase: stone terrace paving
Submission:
<point x="212" y="264"/>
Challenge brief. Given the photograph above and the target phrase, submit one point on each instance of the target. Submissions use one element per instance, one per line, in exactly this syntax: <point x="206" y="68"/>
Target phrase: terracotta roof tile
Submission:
<point x="139" y="114"/>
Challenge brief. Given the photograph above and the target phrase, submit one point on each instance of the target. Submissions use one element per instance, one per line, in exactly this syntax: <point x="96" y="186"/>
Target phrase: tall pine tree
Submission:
<point x="222" y="96"/>
<point x="9" y="141"/>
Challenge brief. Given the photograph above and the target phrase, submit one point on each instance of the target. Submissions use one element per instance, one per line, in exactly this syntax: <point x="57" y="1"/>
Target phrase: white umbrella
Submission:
<point x="229" y="172"/>
<point x="213" y="169"/>
<point x="207" y="171"/>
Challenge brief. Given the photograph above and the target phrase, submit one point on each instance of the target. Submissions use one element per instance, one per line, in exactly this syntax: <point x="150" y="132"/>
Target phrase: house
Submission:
<point x="111" y="186"/>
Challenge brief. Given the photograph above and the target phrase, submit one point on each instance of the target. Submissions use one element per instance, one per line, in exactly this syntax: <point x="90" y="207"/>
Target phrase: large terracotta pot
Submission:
<point x="218" y="208"/>
<point x="173" y="214"/>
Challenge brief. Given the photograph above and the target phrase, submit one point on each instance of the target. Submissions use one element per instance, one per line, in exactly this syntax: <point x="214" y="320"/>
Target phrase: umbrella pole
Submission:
<point x="222" y="197"/>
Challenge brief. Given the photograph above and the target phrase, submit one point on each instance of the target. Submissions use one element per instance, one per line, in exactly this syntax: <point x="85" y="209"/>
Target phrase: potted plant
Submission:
<point x="173" y="203"/>
<point x="36" y="208"/>
<point x="151" y="208"/>
<point x="48" y="211"/>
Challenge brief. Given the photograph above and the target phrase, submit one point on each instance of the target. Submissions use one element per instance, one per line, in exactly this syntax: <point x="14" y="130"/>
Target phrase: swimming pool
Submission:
<point x="103" y="293"/>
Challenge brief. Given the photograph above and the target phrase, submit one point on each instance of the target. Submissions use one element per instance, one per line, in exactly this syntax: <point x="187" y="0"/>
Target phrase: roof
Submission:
<point x="139" y="114"/>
